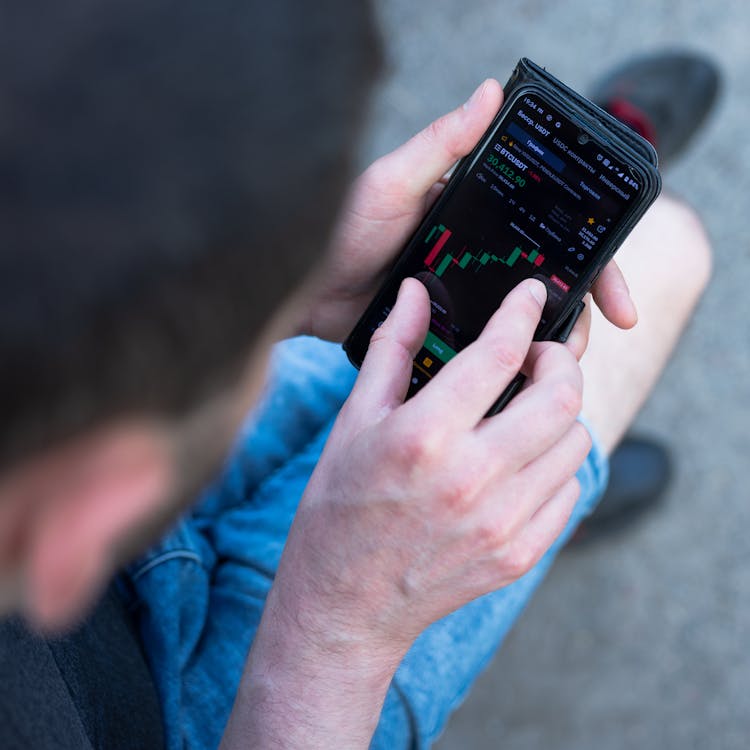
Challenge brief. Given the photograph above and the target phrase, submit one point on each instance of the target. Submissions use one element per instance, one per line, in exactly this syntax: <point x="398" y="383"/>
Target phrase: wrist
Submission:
<point x="332" y="684"/>
<point x="325" y="637"/>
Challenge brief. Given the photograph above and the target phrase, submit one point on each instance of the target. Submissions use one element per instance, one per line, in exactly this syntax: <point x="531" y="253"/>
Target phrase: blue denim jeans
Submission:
<point x="199" y="594"/>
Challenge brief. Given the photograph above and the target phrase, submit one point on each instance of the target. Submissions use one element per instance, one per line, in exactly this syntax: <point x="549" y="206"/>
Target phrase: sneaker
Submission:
<point x="665" y="97"/>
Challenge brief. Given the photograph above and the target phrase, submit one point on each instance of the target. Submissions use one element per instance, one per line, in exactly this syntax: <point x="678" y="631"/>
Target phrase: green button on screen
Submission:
<point x="438" y="347"/>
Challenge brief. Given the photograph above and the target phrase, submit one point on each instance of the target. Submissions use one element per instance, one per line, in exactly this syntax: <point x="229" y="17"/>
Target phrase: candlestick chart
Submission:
<point x="439" y="259"/>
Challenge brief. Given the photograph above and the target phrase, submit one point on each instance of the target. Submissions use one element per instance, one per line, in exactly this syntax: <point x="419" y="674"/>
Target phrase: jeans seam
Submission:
<point x="413" y="725"/>
<point x="183" y="554"/>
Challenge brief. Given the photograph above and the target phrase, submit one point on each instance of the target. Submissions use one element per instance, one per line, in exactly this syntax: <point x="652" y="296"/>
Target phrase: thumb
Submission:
<point x="612" y="297"/>
<point x="417" y="165"/>
<point x="386" y="371"/>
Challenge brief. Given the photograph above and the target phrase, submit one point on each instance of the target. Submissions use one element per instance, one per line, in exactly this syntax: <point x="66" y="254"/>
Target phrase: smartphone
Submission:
<point x="551" y="190"/>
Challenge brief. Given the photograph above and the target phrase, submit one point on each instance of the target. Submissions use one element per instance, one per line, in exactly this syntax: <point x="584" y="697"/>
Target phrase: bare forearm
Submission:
<point x="280" y="707"/>
<point x="301" y="692"/>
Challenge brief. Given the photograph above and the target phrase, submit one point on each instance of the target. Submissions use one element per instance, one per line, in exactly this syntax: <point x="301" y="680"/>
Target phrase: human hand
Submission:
<point x="416" y="508"/>
<point x="384" y="208"/>
<point x="413" y="510"/>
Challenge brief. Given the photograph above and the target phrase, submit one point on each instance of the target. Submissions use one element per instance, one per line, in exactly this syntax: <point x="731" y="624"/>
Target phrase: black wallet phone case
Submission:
<point x="530" y="77"/>
<point x="528" y="72"/>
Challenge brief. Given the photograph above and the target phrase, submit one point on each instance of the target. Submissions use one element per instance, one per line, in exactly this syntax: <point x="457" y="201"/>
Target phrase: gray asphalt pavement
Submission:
<point x="640" y="641"/>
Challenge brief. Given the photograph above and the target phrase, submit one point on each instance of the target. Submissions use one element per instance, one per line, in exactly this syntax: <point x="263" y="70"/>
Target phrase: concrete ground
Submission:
<point x="642" y="640"/>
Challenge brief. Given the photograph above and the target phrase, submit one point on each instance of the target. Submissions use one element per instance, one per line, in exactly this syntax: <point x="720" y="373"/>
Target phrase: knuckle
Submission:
<point x="585" y="438"/>
<point x="415" y="448"/>
<point x="505" y="356"/>
<point x="567" y="398"/>
<point x="575" y="490"/>
<point x="379" y="175"/>
<point x="437" y="131"/>
<point x="382" y="181"/>
<point x="384" y="345"/>
<point x="503" y="464"/>
<point x="519" y="561"/>
<point x="379" y="337"/>
<point x="496" y="535"/>
<point x="460" y="490"/>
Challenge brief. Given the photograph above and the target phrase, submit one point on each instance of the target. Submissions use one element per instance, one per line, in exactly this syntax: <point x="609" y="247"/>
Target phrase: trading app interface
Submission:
<point x="535" y="202"/>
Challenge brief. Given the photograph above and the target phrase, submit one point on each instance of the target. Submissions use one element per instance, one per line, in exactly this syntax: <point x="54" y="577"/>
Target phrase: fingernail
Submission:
<point x="402" y="290"/>
<point x="538" y="291"/>
<point x="476" y="96"/>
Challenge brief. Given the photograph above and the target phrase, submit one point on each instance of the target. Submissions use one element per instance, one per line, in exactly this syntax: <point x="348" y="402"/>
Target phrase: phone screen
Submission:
<point x="539" y="199"/>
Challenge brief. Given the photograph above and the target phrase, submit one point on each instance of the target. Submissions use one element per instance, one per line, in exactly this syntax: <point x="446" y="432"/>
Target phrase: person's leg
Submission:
<point x="666" y="97"/>
<point x="667" y="264"/>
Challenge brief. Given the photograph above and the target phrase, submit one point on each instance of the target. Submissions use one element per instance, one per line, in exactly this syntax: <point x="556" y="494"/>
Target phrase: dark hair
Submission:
<point x="169" y="170"/>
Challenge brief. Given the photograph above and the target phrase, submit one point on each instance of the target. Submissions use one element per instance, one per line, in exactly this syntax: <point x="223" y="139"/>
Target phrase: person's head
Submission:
<point x="169" y="172"/>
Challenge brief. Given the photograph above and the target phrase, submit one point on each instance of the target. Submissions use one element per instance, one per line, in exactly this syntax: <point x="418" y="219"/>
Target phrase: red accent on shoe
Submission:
<point x="634" y="118"/>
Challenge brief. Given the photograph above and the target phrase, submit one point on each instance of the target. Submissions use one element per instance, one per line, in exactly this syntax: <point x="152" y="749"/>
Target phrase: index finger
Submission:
<point x="544" y="410"/>
<point x="468" y="385"/>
